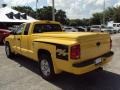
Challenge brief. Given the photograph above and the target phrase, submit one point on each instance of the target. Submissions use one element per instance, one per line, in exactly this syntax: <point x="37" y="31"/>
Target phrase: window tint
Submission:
<point x="47" y="28"/>
<point x="27" y="29"/>
<point x="68" y="28"/>
<point x="114" y="25"/>
<point x="95" y="26"/>
<point x="117" y="25"/>
<point x="19" y="29"/>
<point x="80" y="29"/>
<point x="103" y="27"/>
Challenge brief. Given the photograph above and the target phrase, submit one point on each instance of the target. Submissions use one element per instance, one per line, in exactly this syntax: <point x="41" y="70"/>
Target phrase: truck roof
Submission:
<point x="42" y="21"/>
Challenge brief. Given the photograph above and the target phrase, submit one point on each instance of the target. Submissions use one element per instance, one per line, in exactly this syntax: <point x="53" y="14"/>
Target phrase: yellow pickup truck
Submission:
<point x="57" y="51"/>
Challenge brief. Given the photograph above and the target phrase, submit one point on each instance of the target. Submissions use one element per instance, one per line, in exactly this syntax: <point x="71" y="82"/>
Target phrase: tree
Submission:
<point x="61" y="16"/>
<point x="97" y="18"/>
<point x="45" y="13"/>
<point x="116" y="16"/>
<point x="109" y="13"/>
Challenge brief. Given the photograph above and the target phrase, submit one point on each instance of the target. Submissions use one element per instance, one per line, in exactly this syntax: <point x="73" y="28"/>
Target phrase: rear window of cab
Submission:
<point x="39" y="28"/>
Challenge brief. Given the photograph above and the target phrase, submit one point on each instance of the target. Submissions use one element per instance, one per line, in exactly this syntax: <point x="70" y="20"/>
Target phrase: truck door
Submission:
<point x="18" y="38"/>
<point x="24" y="40"/>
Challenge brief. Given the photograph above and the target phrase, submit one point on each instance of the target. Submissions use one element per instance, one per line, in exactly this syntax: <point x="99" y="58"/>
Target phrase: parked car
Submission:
<point x="116" y="26"/>
<point x="3" y="34"/>
<point x="81" y="29"/>
<point x="56" y="51"/>
<point x="111" y="30"/>
<point x="70" y="29"/>
<point x="102" y="28"/>
<point x="97" y="28"/>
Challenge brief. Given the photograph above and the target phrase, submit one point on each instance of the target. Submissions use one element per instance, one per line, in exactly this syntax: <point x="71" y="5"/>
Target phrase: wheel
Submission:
<point x="46" y="66"/>
<point x="8" y="50"/>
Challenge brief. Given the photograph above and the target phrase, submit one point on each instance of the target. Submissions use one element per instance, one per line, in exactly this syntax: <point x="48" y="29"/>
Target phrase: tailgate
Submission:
<point x="93" y="46"/>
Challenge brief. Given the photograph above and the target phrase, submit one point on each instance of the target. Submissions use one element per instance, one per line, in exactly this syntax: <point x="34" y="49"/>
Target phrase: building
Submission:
<point x="10" y="17"/>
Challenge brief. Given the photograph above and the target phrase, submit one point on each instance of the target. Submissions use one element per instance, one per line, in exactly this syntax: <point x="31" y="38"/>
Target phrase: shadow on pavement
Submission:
<point x="96" y="80"/>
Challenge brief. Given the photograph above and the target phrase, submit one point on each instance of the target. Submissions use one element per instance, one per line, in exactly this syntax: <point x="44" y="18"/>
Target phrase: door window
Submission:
<point x="39" y="28"/>
<point x="27" y="29"/>
<point x="19" y="30"/>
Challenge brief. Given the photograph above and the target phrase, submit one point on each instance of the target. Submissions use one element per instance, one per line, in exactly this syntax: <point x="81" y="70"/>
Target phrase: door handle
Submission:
<point x="18" y="39"/>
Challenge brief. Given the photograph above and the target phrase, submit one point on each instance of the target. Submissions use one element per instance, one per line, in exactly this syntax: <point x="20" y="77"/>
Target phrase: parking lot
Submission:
<point x="20" y="73"/>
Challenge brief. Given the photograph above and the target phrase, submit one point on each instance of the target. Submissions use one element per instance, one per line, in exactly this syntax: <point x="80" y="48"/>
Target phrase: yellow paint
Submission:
<point x="31" y="43"/>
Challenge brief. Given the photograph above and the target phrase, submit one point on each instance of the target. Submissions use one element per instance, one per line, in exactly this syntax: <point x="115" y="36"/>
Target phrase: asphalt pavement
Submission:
<point x="21" y="73"/>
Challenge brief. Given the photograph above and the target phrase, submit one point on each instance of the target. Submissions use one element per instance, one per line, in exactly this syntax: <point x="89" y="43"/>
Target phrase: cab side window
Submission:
<point x="19" y="30"/>
<point x="37" y="29"/>
<point x="27" y="29"/>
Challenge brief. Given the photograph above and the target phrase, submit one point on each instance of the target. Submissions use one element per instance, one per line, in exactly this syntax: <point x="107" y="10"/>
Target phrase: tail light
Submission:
<point x="110" y="43"/>
<point x="75" y="52"/>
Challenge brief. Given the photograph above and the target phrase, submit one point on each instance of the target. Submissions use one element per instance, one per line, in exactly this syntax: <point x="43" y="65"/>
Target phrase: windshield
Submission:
<point x="47" y="28"/>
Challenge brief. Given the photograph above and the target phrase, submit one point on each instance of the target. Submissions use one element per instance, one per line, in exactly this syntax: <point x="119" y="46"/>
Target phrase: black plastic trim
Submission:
<point x="91" y="61"/>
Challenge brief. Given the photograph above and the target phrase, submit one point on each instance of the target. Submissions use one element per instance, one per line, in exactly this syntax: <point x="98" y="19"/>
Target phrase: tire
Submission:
<point x="9" y="54"/>
<point x="46" y="67"/>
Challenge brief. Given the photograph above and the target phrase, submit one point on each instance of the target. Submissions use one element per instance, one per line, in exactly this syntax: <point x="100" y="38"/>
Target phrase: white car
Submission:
<point x="70" y="29"/>
<point x="116" y="26"/>
<point x="81" y="29"/>
<point x="95" y="28"/>
<point x="111" y="30"/>
<point x="102" y="28"/>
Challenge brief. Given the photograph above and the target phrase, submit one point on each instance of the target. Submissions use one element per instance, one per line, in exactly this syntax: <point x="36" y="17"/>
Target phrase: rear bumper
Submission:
<point x="89" y="65"/>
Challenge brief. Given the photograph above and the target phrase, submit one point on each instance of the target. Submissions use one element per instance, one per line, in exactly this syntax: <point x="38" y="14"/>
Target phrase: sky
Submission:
<point x="75" y="9"/>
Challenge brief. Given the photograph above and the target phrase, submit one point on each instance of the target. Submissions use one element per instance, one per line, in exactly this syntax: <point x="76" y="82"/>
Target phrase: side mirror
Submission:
<point x="13" y="32"/>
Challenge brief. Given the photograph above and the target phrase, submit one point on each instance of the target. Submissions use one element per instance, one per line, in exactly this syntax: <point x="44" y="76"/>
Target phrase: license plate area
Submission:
<point x="98" y="61"/>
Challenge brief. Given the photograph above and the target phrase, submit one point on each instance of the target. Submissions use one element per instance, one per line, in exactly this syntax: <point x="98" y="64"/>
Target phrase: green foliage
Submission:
<point x="97" y="18"/>
<point x="116" y="15"/>
<point x="61" y="16"/>
<point x="111" y="13"/>
<point x="45" y="13"/>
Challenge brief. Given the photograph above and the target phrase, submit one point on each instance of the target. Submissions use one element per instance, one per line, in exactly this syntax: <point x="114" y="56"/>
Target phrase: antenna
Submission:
<point x="36" y="7"/>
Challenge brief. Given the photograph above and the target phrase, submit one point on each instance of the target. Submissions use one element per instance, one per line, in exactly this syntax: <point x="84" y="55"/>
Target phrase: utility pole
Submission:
<point x="36" y="8"/>
<point x="53" y="10"/>
<point x="104" y="12"/>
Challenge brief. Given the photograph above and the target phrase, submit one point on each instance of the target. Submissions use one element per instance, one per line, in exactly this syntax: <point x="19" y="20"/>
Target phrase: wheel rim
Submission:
<point x="7" y="51"/>
<point x="45" y="68"/>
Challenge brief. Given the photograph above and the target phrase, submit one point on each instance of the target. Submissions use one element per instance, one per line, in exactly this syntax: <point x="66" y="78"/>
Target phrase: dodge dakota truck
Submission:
<point x="56" y="51"/>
